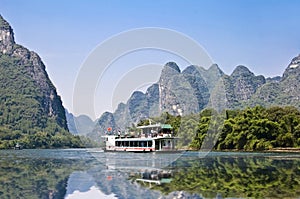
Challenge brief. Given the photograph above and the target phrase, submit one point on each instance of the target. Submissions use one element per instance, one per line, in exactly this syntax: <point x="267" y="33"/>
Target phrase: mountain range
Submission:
<point x="30" y="105"/>
<point x="196" y="88"/>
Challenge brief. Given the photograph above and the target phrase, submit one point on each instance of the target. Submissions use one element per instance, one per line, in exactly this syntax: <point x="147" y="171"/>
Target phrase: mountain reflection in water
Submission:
<point x="81" y="185"/>
<point x="80" y="174"/>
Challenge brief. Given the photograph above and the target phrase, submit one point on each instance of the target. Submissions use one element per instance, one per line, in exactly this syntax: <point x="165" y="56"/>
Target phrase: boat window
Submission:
<point x="126" y="143"/>
<point x="157" y="147"/>
<point x="166" y="142"/>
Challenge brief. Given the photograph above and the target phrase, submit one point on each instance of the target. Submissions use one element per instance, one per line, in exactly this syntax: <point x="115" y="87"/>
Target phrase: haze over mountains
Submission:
<point x="195" y="88"/>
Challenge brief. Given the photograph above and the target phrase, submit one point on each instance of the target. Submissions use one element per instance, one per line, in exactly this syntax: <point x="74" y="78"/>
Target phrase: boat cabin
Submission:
<point x="150" y="138"/>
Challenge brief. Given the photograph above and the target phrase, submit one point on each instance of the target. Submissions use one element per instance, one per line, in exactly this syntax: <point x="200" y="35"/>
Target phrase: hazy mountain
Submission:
<point x="273" y="79"/>
<point x="71" y="122"/>
<point x="176" y="92"/>
<point x="80" y="125"/>
<point x="195" y="88"/>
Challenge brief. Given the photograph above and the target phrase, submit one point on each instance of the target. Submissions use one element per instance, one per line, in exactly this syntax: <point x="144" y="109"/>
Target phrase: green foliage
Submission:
<point x="260" y="128"/>
<point x="22" y="116"/>
<point x="251" y="129"/>
<point x="36" y="177"/>
<point x="235" y="177"/>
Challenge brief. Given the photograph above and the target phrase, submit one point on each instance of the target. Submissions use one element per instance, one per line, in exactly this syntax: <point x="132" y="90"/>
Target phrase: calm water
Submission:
<point x="83" y="173"/>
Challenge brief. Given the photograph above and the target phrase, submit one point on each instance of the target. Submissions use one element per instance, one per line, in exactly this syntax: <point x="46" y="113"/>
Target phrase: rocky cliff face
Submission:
<point x="31" y="68"/>
<point x="241" y="85"/>
<point x="293" y="69"/>
<point x="284" y="91"/>
<point x="7" y="41"/>
<point x="176" y="92"/>
<point x="171" y="89"/>
<point x="107" y="121"/>
<point x="290" y="83"/>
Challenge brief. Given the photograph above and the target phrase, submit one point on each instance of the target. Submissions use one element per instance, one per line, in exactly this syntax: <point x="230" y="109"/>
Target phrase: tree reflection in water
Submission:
<point x="46" y="173"/>
<point x="237" y="176"/>
<point x="35" y="174"/>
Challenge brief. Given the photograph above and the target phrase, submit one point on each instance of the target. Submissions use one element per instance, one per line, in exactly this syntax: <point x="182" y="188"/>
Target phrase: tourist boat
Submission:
<point x="150" y="138"/>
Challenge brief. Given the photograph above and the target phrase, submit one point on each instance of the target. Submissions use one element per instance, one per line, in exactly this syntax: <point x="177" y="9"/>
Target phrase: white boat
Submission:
<point x="150" y="138"/>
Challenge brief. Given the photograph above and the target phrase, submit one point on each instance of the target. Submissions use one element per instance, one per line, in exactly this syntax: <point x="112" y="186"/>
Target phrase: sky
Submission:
<point x="262" y="35"/>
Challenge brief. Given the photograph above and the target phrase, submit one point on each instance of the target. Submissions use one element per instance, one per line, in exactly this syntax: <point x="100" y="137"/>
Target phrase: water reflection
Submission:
<point x="38" y="173"/>
<point x="73" y="174"/>
<point x="82" y="185"/>
<point x="237" y="176"/>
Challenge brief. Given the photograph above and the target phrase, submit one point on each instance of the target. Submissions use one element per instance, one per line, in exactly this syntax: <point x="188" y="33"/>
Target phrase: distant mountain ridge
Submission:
<point x="80" y="125"/>
<point x="195" y="88"/>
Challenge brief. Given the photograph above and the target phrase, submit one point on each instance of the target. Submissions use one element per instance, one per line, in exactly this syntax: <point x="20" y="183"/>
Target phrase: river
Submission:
<point x="89" y="173"/>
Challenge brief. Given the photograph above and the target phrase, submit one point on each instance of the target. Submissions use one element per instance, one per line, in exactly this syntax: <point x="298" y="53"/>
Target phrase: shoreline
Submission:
<point x="286" y="150"/>
<point x="279" y="149"/>
<point x="274" y="150"/>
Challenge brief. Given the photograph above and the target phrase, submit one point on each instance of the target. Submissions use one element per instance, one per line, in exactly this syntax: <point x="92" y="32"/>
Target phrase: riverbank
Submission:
<point x="288" y="150"/>
<point x="279" y="149"/>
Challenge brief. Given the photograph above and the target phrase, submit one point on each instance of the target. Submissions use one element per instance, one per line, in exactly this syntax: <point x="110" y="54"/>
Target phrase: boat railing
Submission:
<point x="156" y="135"/>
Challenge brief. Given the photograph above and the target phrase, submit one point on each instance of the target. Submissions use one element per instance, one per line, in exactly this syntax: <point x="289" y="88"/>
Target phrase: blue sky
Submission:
<point x="262" y="35"/>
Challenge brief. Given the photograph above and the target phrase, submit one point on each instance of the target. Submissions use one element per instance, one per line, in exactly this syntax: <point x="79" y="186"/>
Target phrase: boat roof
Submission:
<point x="166" y="126"/>
<point x="145" y="139"/>
<point x="134" y="139"/>
<point x="163" y="126"/>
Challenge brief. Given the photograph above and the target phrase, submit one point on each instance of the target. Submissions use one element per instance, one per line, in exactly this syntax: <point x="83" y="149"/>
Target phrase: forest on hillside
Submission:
<point x="22" y="118"/>
<point x="251" y="129"/>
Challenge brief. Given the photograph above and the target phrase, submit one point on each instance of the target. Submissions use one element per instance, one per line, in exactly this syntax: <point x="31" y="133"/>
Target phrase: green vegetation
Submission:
<point x="23" y="119"/>
<point x="36" y="177"/>
<point x="251" y="129"/>
<point x="260" y="128"/>
<point x="236" y="177"/>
